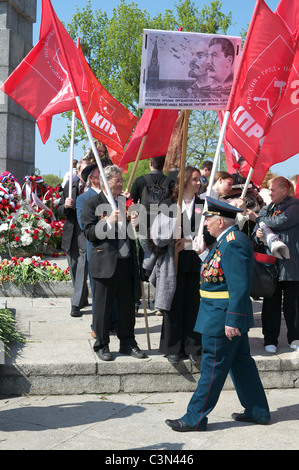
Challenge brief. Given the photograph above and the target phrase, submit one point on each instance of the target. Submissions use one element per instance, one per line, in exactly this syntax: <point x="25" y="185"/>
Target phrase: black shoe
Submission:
<point x="181" y="426"/>
<point x="133" y="351"/>
<point x="194" y="358"/>
<point x="173" y="358"/>
<point x="104" y="354"/>
<point x="75" y="312"/>
<point x="243" y="418"/>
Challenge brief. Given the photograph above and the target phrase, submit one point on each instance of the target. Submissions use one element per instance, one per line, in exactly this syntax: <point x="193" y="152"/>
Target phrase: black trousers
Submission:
<point x="287" y="297"/>
<point x="119" y="287"/>
<point x="77" y="262"/>
<point x="177" y="334"/>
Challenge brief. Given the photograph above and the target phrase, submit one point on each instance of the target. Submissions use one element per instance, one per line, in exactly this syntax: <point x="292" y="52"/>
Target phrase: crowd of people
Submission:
<point x="202" y="284"/>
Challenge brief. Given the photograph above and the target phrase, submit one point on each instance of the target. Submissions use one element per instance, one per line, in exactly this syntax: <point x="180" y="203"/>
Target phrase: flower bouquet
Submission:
<point x="10" y="192"/>
<point x="51" y="200"/>
<point x="56" y="234"/>
<point x="26" y="232"/>
<point x="30" y="271"/>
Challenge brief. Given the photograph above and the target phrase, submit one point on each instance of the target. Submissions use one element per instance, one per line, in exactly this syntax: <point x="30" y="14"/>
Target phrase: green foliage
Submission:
<point x="8" y="330"/>
<point x="142" y="169"/>
<point x="51" y="180"/>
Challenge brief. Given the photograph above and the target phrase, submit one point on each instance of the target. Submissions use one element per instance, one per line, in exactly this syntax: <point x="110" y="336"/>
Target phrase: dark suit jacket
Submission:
<point x="104" y="250"/>
<point x="71" y="226"/>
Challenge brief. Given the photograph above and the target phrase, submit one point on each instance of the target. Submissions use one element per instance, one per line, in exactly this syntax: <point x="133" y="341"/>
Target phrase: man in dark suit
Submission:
<point x="74" y="242"/>
<point x="114" y="269"/>
<point x="224" y="318"/>
<point x="91" y="176"/>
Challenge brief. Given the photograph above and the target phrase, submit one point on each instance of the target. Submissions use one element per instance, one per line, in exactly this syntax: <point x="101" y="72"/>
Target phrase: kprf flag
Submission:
<point x="51" y="76"/>
<point x="109" y="121"/>
<point x="156" y="125"/>
<point x="264" y="100"/>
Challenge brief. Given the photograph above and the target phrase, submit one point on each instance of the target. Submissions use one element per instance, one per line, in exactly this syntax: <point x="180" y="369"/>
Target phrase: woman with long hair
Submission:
<point x="178" y="340"/>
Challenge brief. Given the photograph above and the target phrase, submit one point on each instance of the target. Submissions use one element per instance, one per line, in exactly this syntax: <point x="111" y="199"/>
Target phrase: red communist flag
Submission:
<point x="288" y="11"/>
<point x="231" y="155"/>
<point x="156" y="125"/>
<point x="109" y="121"/>
<point x="51" y="76"/>
<point x="264" y="101"/>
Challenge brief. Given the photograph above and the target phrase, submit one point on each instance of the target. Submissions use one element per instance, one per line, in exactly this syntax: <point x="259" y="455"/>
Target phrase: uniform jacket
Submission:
<point x="226" y="273"/>
<point x="283" y="220"/>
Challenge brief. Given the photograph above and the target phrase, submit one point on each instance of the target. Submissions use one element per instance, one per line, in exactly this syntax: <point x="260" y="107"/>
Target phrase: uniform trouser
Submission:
<point x="271" y="312"/>
<point x="119" y="287"/>
<point x="77" y="262"/>
<point x="220" y="357"/>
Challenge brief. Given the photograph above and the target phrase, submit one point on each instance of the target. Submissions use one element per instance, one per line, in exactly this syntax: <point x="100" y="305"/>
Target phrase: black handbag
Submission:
<point x="264" y="277"/>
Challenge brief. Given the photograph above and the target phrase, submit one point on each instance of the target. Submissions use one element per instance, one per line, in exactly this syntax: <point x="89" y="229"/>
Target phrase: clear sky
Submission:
<point x="48" y="158"/>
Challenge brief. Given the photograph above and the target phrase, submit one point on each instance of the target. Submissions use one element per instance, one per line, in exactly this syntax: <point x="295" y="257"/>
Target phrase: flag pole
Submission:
<point x="136" y="163"/>
<point x="72" y="154"/>
<point x="95" y="152"/>
<point x="181" y="179"/>
<point x="247" y="182"/>
<point x="213" y="172"/>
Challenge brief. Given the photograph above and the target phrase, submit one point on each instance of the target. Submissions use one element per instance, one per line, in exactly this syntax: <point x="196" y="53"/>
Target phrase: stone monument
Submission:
<point x="17" y="127"/>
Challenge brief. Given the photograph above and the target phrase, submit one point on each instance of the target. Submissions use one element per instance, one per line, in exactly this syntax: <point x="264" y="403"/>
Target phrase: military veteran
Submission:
<point x="224" y="319"/>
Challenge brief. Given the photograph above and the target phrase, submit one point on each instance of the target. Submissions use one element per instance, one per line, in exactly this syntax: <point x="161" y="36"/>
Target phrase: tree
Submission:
<point x="112" y="47"/>
<point x="51" y="180"/>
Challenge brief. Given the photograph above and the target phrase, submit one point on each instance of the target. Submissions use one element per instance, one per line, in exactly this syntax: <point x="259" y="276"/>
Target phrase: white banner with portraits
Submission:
<point x="187" y="70"/>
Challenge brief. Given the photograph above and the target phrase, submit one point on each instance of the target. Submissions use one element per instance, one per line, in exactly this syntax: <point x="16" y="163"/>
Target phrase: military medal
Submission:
<point x="211" y="271"/>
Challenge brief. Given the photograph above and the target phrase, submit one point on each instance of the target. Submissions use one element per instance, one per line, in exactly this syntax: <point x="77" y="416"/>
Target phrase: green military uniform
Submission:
<point x="225" y="301"/>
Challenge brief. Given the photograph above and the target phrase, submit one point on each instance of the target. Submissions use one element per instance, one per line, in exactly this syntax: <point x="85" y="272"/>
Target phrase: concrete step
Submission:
<point x="58" y="357"/>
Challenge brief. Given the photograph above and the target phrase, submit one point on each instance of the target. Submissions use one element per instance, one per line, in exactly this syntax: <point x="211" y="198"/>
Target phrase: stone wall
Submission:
<point x="17" y="128"/>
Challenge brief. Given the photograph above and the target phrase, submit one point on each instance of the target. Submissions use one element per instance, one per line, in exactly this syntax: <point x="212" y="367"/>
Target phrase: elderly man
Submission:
<point x="282" y="217"/>
<point x="114" y="268"/>
<point x="224" y="318"/>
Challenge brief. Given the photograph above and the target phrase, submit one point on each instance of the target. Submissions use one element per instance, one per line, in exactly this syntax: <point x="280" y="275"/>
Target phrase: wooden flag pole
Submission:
<point x="136" y="163"/>
<point x="181" y="179"/>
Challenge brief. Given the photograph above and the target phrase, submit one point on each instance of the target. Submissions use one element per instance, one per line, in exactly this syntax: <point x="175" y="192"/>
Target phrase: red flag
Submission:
<point x="109" y="121"/>
<point x="51" y="76"/>
<point x="288" y="11"/>
<point x="263" y="101"/>
<point x="231" y="155"/>
<point x="297" y="189"/>
<point x="157" y="126"/>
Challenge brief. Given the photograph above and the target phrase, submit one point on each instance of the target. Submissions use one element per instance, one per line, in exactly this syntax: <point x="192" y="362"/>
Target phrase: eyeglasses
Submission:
<point x="117" y="181"/>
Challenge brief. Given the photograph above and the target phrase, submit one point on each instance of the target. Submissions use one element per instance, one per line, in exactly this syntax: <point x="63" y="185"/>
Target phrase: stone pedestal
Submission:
<point x="17" y="128"/>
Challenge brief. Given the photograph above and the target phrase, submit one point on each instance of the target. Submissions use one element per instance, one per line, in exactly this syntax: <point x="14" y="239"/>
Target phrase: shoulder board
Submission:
<point x="230" y="237"/>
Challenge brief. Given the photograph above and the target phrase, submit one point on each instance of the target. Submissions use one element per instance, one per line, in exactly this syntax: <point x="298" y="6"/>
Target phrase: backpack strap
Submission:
<point x="166" y="182"/>
<point x="148" y="179"/>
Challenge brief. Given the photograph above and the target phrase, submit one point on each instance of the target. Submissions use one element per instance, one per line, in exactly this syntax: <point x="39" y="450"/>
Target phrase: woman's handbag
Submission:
<point x="264" y="276"/>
